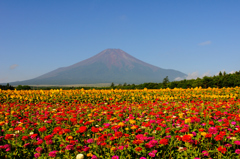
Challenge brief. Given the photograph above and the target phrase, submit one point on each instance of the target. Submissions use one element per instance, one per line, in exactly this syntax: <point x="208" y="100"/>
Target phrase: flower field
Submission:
<point x="118" y="124"/>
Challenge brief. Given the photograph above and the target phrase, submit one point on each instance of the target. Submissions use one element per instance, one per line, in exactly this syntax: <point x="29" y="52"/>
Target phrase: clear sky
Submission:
<point x="196" y="37"/>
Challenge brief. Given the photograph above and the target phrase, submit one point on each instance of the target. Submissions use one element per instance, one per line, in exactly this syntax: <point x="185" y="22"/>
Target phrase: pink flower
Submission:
<point x="151" y="154"/>
<point x="94" y="157"/>
<point x="237" y="151"/>
<point x="205" y="153"/>
<point x="69" y="147"/>
<point x="53" y="153"/>
<point x="39" y="149"/>
<point x="49" y="142"/>
<point x="121" y="147"/>
<point x="115" y="157"/>
<point x="212" y="130"/>
<point x="237" y="142"/>
<point x="26" y="145"/>
<point x="36" y="155"/>
<point x="86" y="148"/>
<point x="154" y="151"/>
<point x="233" y="123"/>
<point x="90" y="141"/>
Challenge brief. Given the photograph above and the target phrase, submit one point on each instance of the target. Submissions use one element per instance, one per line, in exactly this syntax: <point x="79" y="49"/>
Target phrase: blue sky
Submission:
<point x="196" y="37"/>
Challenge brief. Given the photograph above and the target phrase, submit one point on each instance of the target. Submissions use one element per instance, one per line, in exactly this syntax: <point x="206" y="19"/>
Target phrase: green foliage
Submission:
<point x="25" y="87"/>
<point x="7" y="87"/>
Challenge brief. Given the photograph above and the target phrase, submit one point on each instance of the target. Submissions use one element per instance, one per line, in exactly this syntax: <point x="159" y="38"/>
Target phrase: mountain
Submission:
<point x="110" y="65"/>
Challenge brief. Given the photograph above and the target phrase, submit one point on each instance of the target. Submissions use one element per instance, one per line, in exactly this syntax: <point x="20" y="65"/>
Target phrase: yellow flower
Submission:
<point x="2" y="123"/>
<point x="89" y="115"/>
<point x="203" y="133"/>
<point x="91" y="121"/>
<point x="121" y="124"/>
<point x="113" y="148"/>
<point x="134" y="127"/>
<point x="188" y="120"/>
<point x="132" y="121"/>
<point x="126" y="128"/>
<point x="89" y="154"/>
<point x="11" y="129"/>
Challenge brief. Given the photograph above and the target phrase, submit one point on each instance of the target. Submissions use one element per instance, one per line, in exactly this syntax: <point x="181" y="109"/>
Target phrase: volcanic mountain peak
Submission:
<point x="110" y="65"/>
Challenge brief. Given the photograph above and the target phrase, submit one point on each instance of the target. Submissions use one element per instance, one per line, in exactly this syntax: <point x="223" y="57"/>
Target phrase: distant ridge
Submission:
<point x="110" y="65"/>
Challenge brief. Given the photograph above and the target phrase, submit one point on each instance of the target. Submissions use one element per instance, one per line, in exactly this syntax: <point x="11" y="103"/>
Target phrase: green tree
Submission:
<point x="112" y="85"/>
<point x="165" y="82"/>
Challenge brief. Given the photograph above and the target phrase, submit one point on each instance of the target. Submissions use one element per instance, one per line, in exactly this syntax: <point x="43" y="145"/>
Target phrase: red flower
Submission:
<point x="137" y="142"/>
<point x="118" y="134"/>
<point x="25" y="138"/>
<point x="48" y="137"/>
<point x="179" y="137"/>
<point x="95" y="130"/>
<point x="211" y="123"/>
<point x="57" y="129"/>
<point x="186" y="138"/>
<point x="201" y="130"/>
<point x="208" y="135"/>
<point x="138" y="149"/>
<point x="222" y="149"/>
<point x="42" y="129"/>
<point x="8" y="136"/>
<point x="163" y="141"/>
<point x="218" y="137"/>
<point x="82" y="129"/>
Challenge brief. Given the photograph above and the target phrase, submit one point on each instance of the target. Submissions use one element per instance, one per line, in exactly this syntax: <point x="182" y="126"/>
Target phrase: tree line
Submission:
<point x="219" y="81"/>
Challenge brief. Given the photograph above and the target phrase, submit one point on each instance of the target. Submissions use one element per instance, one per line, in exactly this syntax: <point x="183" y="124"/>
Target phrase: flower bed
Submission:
<point x="178" y="123"/>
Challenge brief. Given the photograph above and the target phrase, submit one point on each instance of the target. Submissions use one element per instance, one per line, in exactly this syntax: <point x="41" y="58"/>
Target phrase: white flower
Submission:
<point x="180" y="149"/>
<point x="80" y="156"/>
<point x="31" y="133"/>
<point x="233" y="138"/>
<point x="17" y="132"/>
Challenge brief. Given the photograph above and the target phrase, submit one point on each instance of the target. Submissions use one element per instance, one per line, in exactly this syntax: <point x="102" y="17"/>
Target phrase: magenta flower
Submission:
<point x="154" y="151"/>
<point x="205" y="153"/>
<point x="212" y="130"/>
<point x="151" y="154"/>
<point x="233" y="123"/>
<point x="26" y="145"/>
<point x="53" y="153"/>
<point x="237" y="151"/>
<point x="90" y="141"/>
<point x="49" y="142"/>
<point x="115" y="157"/>
<point x="7" y="147"/>
<point x="36" y="155"/>
<point x="94" y="157"/>
<point x="143" y="158"/>
<point x="39" y="149"/>
<point x="121" y="147"/>
<point x="86" y="148"/>
<point x="237" y="142"/>
<point x="69" y="147"/>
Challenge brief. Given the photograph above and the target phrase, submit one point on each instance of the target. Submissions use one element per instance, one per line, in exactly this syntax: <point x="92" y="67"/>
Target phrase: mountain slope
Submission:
<point x="110" y="65"/>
